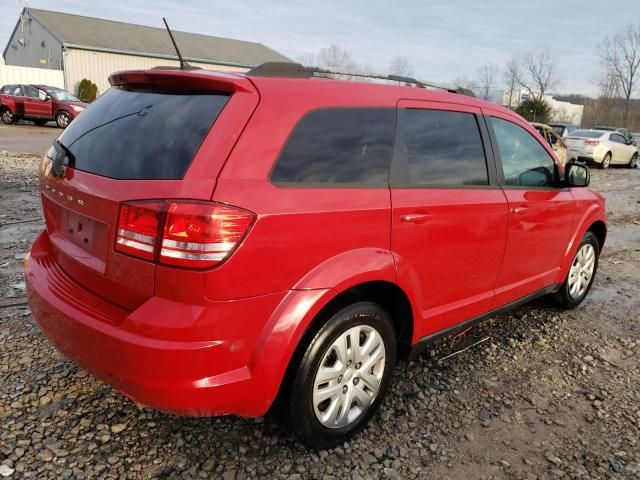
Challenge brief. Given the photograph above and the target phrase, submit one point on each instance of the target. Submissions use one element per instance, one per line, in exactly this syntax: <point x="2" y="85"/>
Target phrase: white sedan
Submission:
<point x="602" y="147"/>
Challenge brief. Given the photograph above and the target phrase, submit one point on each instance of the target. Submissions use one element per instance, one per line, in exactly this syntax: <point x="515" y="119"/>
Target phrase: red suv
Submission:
<point x="216" y="242"/>
<point x="38" y="103"/>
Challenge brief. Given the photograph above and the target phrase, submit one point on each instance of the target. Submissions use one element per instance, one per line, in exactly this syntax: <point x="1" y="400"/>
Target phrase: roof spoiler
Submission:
<point x="296" y="70"/>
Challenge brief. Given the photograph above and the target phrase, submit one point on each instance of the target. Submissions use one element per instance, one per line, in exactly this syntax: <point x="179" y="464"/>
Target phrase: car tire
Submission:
<point x="334" y="372"/>
<point x="606" y="161"/>
<point x="63" y="119"/>
<point x="8" y="117"/>
<point x="40" y="123"/>
<point x="633" y="163"/>
<point x="584" y="267"/>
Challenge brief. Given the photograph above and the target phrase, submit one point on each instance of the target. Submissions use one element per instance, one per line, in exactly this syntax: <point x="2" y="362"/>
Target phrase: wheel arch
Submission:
<point x="599" y="229"/>
<point x="279" y="371"/>
<point x="593" y="220"/>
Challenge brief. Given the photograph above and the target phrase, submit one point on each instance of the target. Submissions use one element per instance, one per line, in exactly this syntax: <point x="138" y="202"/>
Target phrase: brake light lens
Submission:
<point x="591" y="143"/>
<point x="193" y="234"/>
<point x="138" y="228"/>
<point x="201" y="235"/>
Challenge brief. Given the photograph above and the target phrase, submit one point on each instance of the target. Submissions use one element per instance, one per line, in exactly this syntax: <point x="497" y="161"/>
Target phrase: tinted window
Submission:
<point x="141" y="134"/>
<point x="524" y="161"/>
<point x="617" y="139"/>
<point x="339" y="146"/>
<point x="587" y="134"/>
<point x="6" y="90"/>
<point x="30" y="91"/>
<point x="443" y="148"/>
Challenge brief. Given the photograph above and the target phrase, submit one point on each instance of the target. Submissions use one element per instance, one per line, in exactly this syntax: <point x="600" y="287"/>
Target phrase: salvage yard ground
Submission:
<point x="550" y="394"/>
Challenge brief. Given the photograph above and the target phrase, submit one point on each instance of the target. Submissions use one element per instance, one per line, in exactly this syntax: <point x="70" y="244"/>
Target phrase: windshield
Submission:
<point x="62" y="95"/>
<point x="558" y="128"/>
<point x="130" y="134"/>
<point x="587" y="134"/>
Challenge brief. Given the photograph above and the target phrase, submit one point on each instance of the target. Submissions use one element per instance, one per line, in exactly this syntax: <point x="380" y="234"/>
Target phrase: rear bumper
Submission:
<point x="158" y="362"/>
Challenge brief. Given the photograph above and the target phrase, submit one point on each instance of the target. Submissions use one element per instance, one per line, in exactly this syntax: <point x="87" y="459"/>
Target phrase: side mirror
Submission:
<point x="576" y="174"/>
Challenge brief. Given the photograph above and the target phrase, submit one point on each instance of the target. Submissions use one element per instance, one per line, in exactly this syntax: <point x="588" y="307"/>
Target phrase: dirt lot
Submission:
<point x="550" y="394"/>
<point x="26" y="137"/>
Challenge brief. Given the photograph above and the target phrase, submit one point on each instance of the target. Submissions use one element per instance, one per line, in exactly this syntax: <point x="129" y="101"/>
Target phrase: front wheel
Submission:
<point x="581" y="274"/>
<point x="633" y="163"/>
<point x="343" y="376"/>
<point x="63" y="119"/>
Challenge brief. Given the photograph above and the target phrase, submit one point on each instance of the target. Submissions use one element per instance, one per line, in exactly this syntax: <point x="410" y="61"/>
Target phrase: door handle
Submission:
<point x="415" y="217"/>
<point x="519" y="210"/>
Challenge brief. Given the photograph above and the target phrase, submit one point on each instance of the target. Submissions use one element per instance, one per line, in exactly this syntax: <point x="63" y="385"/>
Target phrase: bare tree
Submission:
<point x="512" y="72"/>
<point x="538" y="73"/>
<point x="464" y="82"/>
<point x="487" y="80"/>
<point x="620" y="55"/>
<point x="401" y="66"/>
<point x="336" y="57"/>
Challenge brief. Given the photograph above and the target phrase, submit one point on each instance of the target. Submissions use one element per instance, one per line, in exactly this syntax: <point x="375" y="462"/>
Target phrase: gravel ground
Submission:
<point x="548" y="394"/>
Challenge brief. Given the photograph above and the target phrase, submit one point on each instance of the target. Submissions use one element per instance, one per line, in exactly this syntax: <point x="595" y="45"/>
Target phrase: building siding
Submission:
<point x="10" y="74"/>
<point x="31" y="52"/>
<point x="97" y="66"/>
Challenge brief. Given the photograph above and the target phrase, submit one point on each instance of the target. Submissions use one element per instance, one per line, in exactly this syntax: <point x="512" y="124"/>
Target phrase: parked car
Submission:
<point x="227" y="243"/>
<point x="603" y="147"/>
<point x="635" y="138"/>
<point x="564" y="129"/>
<point x="38" y="103"/>
<point x="625" y="132"/>
<point x="554" y="140"/>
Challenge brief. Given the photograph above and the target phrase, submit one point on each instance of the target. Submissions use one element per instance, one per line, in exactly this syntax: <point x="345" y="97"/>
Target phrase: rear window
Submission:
<point x="339" y="146"/>
<point x="587" y="134"/>
<point x="128" y="134"/>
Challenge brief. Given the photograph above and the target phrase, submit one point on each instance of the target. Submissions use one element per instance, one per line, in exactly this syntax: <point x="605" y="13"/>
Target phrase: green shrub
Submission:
<point x="87" y="91"/>
<point x="535" y="110"/>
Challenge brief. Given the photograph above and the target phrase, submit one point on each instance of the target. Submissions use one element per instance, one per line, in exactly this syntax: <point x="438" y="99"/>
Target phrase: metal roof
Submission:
<point x="77" y="31"/>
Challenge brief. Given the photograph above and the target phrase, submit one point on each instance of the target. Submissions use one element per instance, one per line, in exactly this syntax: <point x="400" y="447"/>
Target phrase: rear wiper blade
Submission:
<point x="58" y="156"/>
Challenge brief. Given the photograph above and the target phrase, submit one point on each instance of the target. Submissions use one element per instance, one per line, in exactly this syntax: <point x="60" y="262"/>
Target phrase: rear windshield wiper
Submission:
<point x="58" y="153"/>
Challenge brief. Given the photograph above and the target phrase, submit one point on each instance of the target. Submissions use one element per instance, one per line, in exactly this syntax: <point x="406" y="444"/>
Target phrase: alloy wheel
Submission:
<point x="349" y="377"/>
<point x="581" y="270"/>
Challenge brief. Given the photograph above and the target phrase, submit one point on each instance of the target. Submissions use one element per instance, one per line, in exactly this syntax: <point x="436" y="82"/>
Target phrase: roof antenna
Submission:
<point x="183" y="65"/>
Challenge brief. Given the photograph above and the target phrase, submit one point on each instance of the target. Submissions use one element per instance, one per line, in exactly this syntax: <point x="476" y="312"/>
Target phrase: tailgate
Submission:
<point x="138" y="141"/>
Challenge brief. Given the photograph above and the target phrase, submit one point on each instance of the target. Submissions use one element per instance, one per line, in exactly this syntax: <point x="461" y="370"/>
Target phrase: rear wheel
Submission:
<point x="581" y="274"/>
<point x="63" y="119"/>
<point x="343" y="376"/>
<point x="7" y="116"/>
<point x="606" y="161"/>
<point x="633" y="163"/>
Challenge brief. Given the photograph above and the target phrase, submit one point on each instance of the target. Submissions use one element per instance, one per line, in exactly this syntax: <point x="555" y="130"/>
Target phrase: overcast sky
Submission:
<point x="443" y="40"/>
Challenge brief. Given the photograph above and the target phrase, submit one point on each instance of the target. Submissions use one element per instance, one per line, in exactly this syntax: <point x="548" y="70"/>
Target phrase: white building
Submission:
<point x="561" y="112"/>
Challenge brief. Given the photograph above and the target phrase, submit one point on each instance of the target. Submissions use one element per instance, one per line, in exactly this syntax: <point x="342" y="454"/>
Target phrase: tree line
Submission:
<point x="537" y="72"/>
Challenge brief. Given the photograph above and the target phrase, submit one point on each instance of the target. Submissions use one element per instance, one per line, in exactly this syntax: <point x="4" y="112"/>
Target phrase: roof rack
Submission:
<point x="296" y="70"/>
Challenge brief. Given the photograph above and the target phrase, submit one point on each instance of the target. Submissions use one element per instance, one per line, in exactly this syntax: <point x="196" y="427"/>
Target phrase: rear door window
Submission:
<point x="443" y="148"/>
<point x="339" y="146"/>
<point x="131" y="134"/>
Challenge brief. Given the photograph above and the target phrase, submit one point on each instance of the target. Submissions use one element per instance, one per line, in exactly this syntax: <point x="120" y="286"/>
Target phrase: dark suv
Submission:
<point x="222" y="243"/>
<point x="38" y="103"/>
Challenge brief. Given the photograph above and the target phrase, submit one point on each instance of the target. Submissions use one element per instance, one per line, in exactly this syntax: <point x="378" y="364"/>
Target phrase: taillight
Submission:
<point x="591" y="143"/>
<point x="138" y="228"/>
<point x="193" y="234"/>
<point x="202" y="235"/>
